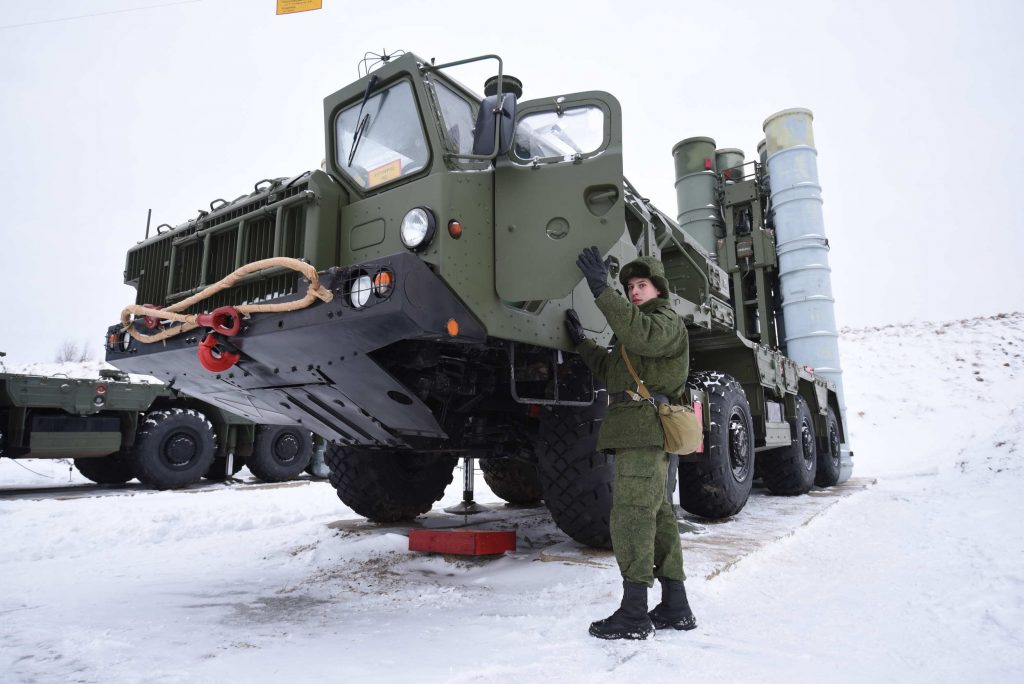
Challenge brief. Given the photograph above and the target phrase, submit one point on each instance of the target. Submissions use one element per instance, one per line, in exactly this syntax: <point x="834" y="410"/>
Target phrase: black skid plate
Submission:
<point x="311" y="367"/>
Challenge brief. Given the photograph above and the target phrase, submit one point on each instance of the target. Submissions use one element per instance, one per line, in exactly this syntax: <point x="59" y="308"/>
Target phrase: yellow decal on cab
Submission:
<point x="385" y="173"/>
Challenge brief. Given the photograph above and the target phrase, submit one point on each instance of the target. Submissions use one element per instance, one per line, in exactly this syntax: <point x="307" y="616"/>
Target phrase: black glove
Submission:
<point x="594" y="270"/>
<point x="572" y="323"/>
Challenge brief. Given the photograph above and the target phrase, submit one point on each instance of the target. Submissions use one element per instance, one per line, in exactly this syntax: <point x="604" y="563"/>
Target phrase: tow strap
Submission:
<point x="224" y="320"/>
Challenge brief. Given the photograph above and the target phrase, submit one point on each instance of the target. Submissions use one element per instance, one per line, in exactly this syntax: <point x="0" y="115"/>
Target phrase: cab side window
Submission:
<point x="560" y="134"/>
<point x="459" y="118"/>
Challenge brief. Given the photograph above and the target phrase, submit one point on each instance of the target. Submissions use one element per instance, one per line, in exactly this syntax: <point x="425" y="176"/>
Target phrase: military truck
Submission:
<point x="407" y="302"/>
<point x="116" y="428"/>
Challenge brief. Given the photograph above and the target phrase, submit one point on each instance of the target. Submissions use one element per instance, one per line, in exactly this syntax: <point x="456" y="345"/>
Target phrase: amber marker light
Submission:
<point x="383" y="282"/>
<point x="453" y="327"/>
<point x="455" y="229"/>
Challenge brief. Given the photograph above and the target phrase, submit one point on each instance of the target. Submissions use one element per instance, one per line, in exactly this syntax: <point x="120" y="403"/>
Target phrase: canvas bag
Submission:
<point x="683" y="432"/>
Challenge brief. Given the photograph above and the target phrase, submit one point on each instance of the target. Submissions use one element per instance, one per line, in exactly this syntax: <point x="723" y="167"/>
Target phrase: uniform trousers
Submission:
<point x="645" y="534"/>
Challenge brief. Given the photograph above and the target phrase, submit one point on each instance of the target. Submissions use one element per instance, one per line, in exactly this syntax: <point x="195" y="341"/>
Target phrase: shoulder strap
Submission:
<point x="641" y="388"/>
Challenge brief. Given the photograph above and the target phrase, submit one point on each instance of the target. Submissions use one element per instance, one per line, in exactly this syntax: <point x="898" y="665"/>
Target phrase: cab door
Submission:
<point x="558" y="190"/>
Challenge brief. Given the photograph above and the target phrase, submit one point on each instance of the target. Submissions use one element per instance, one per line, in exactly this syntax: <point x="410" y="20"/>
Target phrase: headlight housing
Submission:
<point x="359" y="291"/>
<point x="418" y="228"/>
<point x="383" y="283"/>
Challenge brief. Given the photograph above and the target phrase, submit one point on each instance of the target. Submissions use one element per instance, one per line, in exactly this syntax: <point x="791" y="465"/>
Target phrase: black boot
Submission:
<point x="630" y="621"/>
<point x="674" y="610"/>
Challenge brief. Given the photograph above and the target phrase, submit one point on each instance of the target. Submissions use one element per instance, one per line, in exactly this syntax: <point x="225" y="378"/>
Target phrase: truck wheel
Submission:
<point x="718" y="485"/>
<point x="280" y="452"/>
<point x="575" y="478"/>
<point x="388" y="486"/>
<point x="514" y="481"/>
<point x="790" y="470"/>
<point x="116" y="469"/>
<point x="173" y="448"/>
<point x="828" y="452"/>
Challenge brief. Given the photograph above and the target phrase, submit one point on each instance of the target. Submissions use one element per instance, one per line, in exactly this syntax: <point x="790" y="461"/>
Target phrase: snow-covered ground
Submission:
<point x="917" y="577"/>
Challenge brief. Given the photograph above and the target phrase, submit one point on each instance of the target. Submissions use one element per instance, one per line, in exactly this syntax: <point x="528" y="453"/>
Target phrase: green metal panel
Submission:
<point x="72" y="444"/>
<point x="467" y="264"/>
<point x="77" y="396"/>
<point x="546" y="211"/>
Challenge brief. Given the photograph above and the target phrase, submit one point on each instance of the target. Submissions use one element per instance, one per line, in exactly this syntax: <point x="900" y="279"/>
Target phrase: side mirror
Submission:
<point x="491" y="116"/>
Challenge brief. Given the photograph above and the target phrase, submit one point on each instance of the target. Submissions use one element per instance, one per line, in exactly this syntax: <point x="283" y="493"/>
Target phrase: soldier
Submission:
<point x="645" y="536"/>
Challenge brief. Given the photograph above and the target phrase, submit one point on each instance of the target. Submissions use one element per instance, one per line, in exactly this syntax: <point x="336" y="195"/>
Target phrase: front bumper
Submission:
<point x="311" y="367"/>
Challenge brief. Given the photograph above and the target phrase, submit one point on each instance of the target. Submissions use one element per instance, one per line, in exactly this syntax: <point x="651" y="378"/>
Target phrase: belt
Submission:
<point x="617" y="397"/>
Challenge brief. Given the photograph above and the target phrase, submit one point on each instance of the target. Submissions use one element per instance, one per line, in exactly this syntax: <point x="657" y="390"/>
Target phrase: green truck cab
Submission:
<point x="443" y="231"/>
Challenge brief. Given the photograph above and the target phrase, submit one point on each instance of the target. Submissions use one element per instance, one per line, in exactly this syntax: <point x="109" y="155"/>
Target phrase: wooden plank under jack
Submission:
<point x="462" y="542"/>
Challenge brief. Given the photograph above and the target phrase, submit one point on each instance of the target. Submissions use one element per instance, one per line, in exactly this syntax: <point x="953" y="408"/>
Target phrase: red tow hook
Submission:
<point x="213" y="359"/>
<point x="151" y="322"/>
<point x="224" y="320"/>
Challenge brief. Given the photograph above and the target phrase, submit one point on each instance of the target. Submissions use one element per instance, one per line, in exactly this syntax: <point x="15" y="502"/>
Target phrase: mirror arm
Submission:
<point x="497" y="112"/>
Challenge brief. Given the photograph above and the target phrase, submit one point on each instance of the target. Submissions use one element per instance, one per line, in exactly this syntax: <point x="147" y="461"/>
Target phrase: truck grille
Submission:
<point x="183" y="261"/>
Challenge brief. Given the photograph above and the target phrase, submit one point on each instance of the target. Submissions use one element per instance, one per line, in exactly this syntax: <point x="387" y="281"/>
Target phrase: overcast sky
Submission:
<point x="169" y="105"/>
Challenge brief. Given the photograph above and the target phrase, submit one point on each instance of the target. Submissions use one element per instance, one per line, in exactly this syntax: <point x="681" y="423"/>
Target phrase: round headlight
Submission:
<point x="418" y="228"/>
<point x="359" y="294"/>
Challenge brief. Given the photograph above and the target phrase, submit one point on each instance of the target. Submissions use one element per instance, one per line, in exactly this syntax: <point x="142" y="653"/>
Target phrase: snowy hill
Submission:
<point x="917" y="577"/>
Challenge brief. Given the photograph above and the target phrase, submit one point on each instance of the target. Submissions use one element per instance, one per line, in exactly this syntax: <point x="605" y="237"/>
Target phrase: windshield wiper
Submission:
<point x="357" y="136"/>
<point x="363" y="120"/>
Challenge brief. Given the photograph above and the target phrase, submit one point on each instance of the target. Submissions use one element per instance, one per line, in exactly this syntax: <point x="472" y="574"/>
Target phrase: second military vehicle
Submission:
<point x="116" y="428"/>
<point x="407" y="303"/>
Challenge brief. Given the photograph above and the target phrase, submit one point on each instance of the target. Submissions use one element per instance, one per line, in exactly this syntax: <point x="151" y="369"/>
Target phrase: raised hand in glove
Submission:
<point x="594" y="270"/>
<point x="572" y="323"/>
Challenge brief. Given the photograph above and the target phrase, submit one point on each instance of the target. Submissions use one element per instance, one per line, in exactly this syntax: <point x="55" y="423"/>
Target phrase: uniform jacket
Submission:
<point x="657" y="344"/>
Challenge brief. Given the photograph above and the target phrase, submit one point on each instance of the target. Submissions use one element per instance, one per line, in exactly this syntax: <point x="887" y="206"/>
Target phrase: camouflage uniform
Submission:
<point x="645" y="535"/>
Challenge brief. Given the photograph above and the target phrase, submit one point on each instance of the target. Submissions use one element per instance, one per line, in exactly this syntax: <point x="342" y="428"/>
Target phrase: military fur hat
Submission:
<point x="645" y="267"/>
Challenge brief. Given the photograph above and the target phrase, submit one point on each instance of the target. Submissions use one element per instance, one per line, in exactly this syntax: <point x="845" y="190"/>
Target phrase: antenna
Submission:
<point x="372" y="60"/>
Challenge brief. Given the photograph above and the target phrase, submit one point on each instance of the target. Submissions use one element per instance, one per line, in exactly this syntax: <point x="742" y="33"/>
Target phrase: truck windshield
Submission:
<point x="391" y="143"/>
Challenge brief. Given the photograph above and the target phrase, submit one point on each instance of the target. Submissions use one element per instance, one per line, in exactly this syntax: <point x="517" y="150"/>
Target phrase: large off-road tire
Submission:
<point x="790" y="470"/>
<point x="173" y="448"/>
<point x="280" y="452"/>
<point x="388" y="486"/>
<point x="828" y="452"/>
<point x="575" y="478"/>
<point x="115" y="469"/>
<point x="718" y="484"/>
<point x="514" y="481"/>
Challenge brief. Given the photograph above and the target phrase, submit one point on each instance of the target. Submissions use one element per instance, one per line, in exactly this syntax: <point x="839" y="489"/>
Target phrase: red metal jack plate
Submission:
<point x="462" y="542"/>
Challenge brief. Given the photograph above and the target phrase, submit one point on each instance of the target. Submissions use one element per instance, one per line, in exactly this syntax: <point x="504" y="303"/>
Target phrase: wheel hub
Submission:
<point x="807" y="444"/>
<point x="833" y="444"/>
<point x="180" y="449"/>
<point x="286" y="448"/>
<point x="739" y="448"/>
